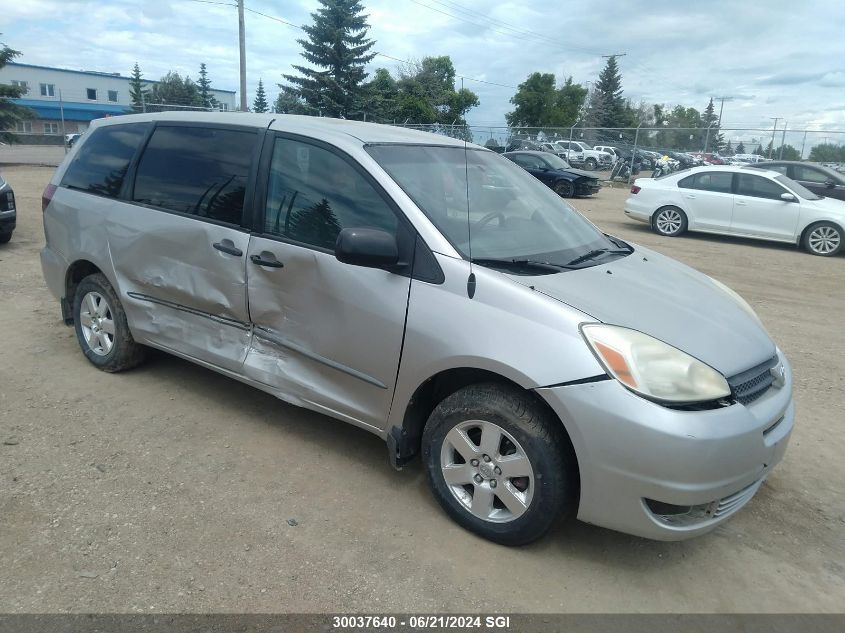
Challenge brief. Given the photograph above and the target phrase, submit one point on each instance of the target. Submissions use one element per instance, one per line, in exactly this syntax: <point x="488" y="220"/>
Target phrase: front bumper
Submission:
<point x="587" y="188"/>
<point x="631" y="450"/>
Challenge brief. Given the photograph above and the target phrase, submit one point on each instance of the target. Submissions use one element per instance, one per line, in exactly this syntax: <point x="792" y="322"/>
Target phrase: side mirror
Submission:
<point x="787" y="197"/>
<point x="829" y="184"/>
<point x="371" y="248"/>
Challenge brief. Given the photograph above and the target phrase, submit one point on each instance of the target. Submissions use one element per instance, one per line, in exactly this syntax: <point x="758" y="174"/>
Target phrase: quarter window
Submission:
<point x="758" y="187"/>
<point x="195" y="170"/>
<point x="312" y="194"/>
<point x="808" y="174"/>
<point x="103" y="159"/>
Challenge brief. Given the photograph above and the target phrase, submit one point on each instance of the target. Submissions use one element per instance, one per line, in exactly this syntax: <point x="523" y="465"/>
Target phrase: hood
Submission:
<point x="579" y="173"/>
<point x="672" y="302"/>
<point x="827" y="205"/>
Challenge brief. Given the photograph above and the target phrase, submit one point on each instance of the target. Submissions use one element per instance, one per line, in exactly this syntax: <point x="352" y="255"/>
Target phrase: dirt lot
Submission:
<point x="170" y="488"/>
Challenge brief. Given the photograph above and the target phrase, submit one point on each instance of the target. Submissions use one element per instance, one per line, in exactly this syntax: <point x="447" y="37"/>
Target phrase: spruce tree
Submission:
<point x="609" y="96"/>
<point x="338" y="46"/>
<point x="138" y="92"/>
<point x="260" y="103"/>
<point x="204" y="86"/>
<point x="740" y="148"/>
<point x="710" y="118"/>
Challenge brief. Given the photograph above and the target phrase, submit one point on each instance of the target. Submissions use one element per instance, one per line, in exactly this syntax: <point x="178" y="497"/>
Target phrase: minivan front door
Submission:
<point x="327" y="335"/>
<point x="179" y="248"/>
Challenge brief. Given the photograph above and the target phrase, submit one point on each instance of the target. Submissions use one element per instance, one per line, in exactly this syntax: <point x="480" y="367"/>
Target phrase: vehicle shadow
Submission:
<point x="334" y="439"/>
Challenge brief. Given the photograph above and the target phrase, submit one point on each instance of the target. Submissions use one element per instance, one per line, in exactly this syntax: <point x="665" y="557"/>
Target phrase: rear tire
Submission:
<point x="101" y="327"/>
<point x="510" y="466"/>
<point x="5" y="237"/>
<point x="823" y="239"/>
<point x="669" y="222"/>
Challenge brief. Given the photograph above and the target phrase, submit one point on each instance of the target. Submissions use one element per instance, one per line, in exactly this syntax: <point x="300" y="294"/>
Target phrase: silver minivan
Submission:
<point x="433" y="293"/>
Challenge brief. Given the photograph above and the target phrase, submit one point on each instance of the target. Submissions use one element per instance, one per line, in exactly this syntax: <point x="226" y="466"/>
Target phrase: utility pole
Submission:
<point x="722" y="106"/>
<point x="774" y="129"/>
<point x="242" y="42"/>
<point x="782" y="140"/>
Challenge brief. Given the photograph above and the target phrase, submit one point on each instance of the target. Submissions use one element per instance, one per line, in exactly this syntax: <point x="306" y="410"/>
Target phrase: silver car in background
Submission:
<point x="433" y="293"/>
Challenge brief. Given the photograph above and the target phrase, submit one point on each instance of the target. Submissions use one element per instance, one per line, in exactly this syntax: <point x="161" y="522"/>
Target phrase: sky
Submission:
<point x="774" y="58"/>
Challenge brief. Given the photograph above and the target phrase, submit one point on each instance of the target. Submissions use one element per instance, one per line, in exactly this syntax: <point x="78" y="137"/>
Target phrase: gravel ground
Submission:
<point x="171" y="488"/>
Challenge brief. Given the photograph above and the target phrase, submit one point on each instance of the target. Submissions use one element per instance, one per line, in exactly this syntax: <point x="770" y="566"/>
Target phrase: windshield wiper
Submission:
<point x="598" y="253"/>
<point x="520" y="264"/>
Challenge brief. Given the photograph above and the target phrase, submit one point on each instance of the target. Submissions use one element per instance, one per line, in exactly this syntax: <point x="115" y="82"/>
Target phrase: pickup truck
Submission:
<point x="579" y="153"/>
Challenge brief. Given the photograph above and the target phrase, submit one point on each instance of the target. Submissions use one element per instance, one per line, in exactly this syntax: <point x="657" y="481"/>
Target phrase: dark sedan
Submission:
<point x="7" y="211"/>
<point x="817" y="178"/>
<point x="556" y="173"/>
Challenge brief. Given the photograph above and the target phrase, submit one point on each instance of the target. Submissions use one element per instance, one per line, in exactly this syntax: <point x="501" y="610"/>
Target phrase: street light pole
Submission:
<point x="242" y="44"/>
<point x="707" y="136"/>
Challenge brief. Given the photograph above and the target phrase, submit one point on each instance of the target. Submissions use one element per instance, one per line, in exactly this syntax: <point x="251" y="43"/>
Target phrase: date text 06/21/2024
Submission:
<point x="421" y="621"/>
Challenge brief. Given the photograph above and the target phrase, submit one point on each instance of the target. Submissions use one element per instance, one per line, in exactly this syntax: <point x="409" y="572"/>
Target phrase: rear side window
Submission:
<point x="719" y="181"/>
<point x="196" y="170"/>
<point x="102" y="161"/>
<point x="758" y="187"/>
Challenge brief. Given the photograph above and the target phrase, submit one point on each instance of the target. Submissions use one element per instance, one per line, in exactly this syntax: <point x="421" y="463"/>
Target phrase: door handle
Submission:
<point x="269" y="263"/>
<point x="226" y="246"/>
<point x="690" y="196"/>
<point x="740" y="203"/>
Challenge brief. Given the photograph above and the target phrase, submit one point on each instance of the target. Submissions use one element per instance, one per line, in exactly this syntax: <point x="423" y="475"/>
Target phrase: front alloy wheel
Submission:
<point x="500" y="463"/>
<point x="824" y="239"/>
<point x="487" y="471"/>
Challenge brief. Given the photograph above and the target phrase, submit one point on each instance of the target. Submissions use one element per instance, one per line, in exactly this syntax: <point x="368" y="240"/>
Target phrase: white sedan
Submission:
<point x="739" y="201"/>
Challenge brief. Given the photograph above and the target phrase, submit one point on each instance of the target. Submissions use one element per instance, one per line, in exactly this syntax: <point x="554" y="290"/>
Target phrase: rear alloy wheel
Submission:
<point x="499" y="463"/>
<point x="669" y="221"/>
<point x="824" y="239"/>
<point x="564" y="189"/>
<point x="101" y="327"/>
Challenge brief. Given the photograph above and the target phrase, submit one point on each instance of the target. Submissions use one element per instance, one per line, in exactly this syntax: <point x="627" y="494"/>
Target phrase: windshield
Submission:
<point x="798" y="188"/>
<point x="555" y="162"/>
<point x="512" y="215"/>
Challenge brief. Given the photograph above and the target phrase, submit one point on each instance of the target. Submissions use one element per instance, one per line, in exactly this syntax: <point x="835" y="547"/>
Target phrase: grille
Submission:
<point x="753" y="383"/>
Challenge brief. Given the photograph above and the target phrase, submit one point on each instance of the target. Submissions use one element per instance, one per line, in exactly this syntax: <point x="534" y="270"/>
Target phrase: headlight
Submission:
<point x="653" y="368"/>
<point x="742" y="303"/>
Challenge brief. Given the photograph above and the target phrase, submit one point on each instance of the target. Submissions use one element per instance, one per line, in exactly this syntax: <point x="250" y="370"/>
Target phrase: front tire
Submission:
<point x="823" y="239"/>
<point x="499" y="463"/>
<point x="669" y="222"/>
<point x="591" y="164"/>
<point x="564" y="189"/>
<point x="5" y="237"/>
<point x="101" y="327"/>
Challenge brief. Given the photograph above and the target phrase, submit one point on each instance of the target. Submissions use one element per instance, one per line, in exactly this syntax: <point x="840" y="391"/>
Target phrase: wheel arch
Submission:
<point x="404" y="442"/>
<point x="803" y="233"/>
<point x="76" y="272"/>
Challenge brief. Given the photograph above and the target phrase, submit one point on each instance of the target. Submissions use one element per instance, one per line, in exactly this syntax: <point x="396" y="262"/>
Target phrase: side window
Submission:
<point x="527" y="161"/>
<point x="758" y="187"/>
<point x="196" y="170"/>
<point x="312" y="194"/>
<point x="718" y="181"/>
<point x="101" y="163"/>
<point x="782" y="169"/>
<point x="808" y="174"/>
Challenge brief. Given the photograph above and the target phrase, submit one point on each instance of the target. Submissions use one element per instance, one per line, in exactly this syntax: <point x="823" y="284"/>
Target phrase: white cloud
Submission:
<point x="780" y="60"/>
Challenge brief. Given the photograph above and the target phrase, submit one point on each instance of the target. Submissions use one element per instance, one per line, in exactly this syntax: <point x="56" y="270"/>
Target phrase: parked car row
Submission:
<point x="556" y="173"/>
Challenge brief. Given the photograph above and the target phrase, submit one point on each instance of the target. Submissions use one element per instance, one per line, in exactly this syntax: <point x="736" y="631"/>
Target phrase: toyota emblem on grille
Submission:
<point x="778" y="373"/>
